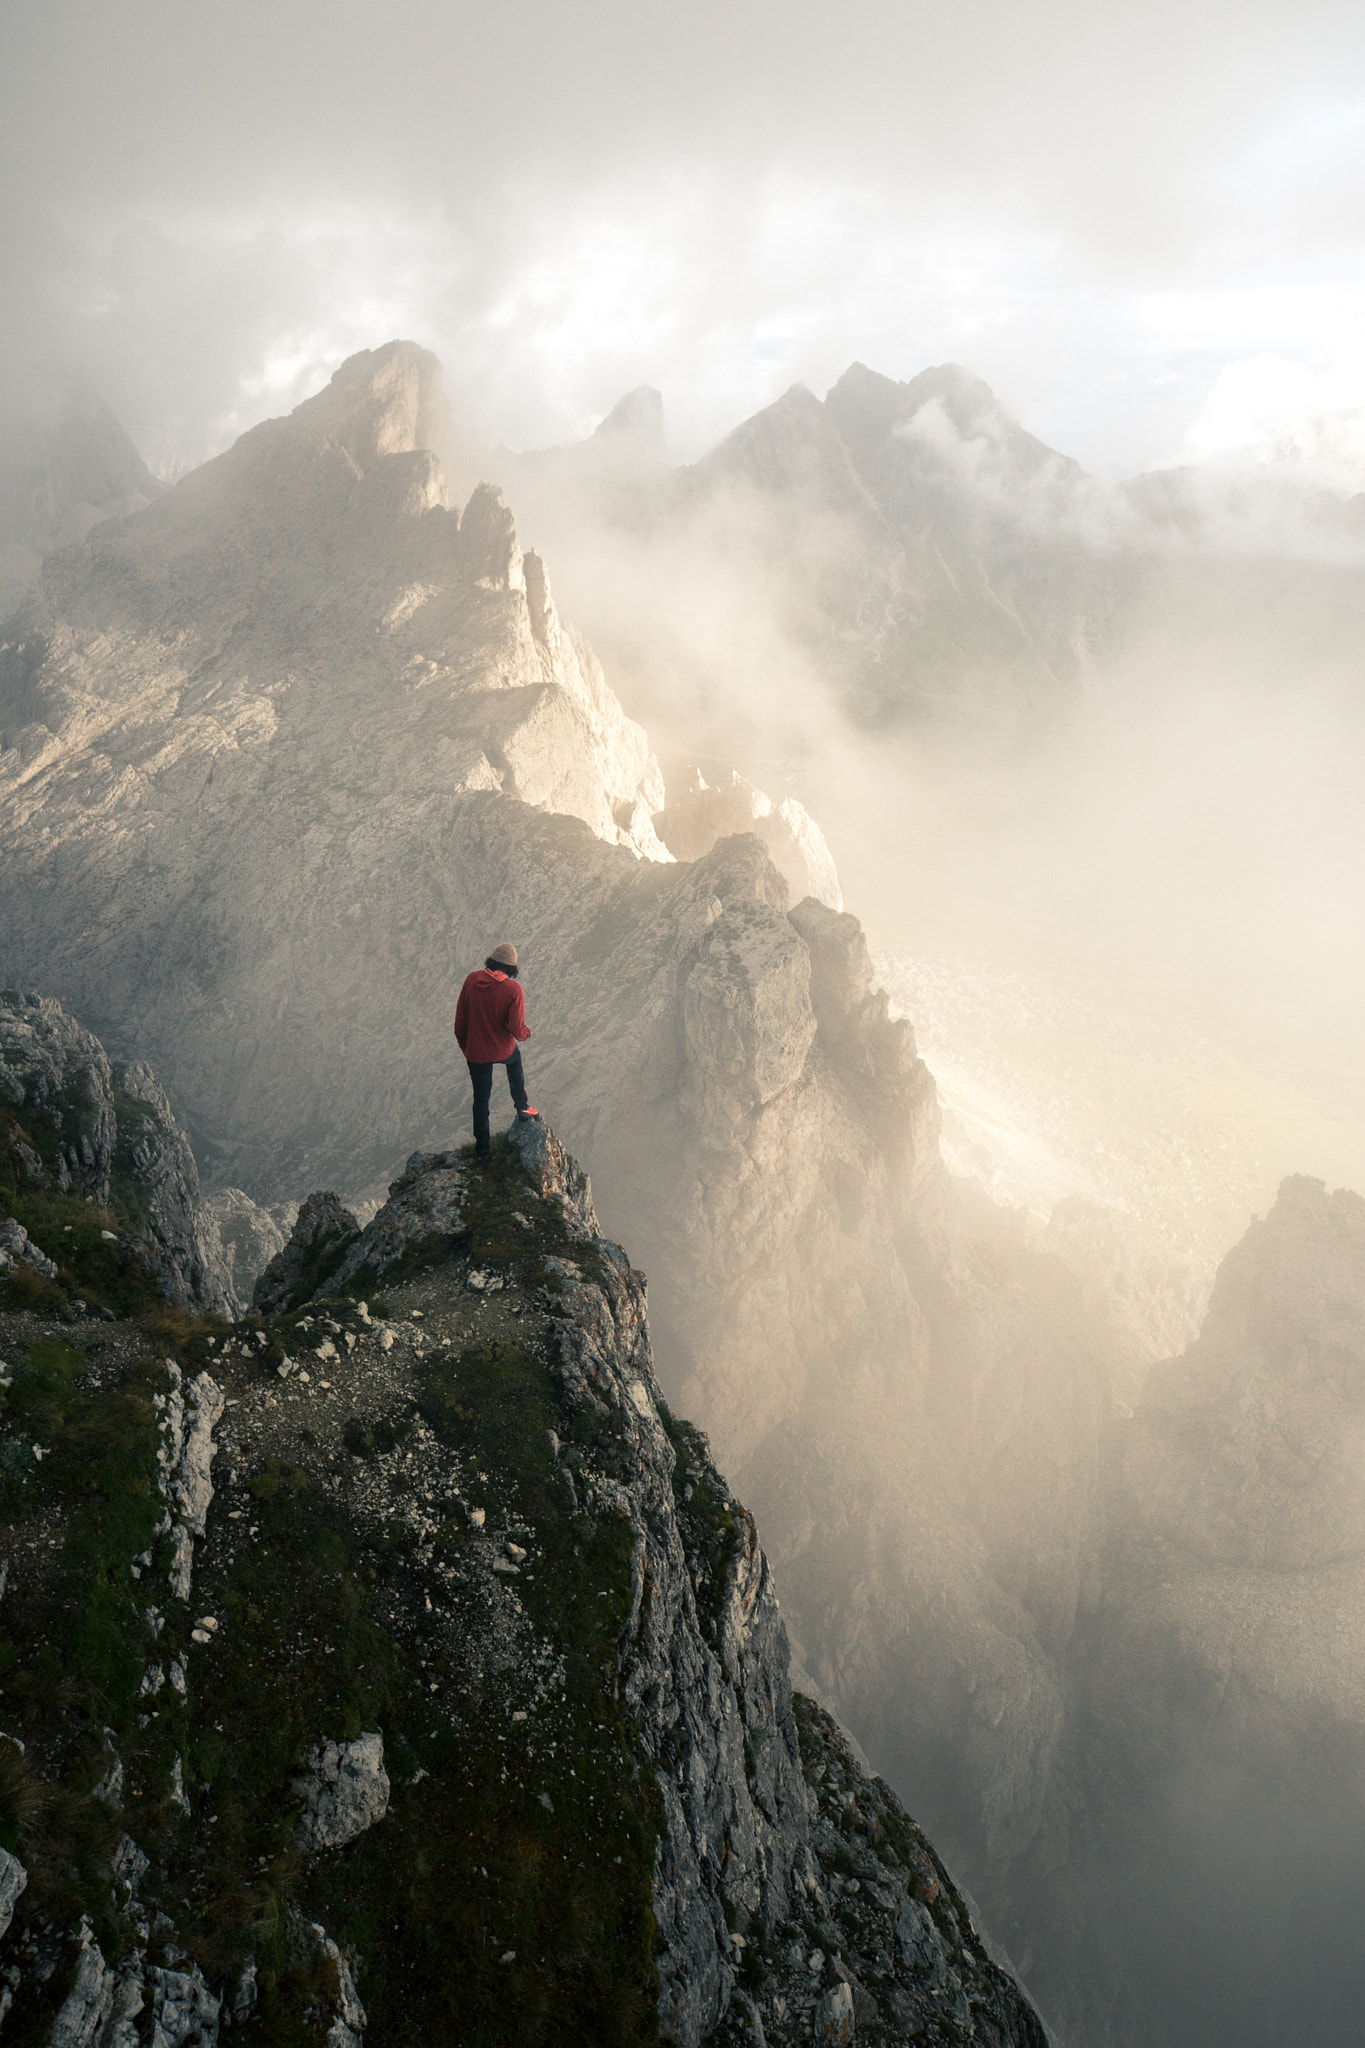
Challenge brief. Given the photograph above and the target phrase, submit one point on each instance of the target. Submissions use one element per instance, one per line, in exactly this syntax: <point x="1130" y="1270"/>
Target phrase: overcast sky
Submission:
<point x="1143" y="224"/>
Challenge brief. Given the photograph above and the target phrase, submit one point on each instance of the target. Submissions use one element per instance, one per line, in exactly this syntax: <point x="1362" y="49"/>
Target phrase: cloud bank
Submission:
<point x="1100" y="210"/>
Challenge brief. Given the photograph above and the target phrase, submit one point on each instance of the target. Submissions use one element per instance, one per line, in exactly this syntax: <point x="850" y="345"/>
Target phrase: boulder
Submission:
<point x="345" y="1789"/>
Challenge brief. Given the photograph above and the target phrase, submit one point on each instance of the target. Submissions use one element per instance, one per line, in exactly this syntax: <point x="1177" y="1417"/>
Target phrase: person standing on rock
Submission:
<point x="490" y="1017"/>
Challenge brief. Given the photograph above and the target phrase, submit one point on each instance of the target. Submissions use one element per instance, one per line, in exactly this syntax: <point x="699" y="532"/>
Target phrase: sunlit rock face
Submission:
<point x="234" y="732"/>
<point x="295" y="621"/>
<point x="698" y="815"/>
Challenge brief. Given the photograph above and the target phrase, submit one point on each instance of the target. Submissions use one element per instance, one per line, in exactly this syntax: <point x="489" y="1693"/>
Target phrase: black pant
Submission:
<point x="481" y="1075"/>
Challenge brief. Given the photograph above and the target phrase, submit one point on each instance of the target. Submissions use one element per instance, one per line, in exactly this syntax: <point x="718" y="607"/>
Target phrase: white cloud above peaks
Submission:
<point x="1270" y="409"/>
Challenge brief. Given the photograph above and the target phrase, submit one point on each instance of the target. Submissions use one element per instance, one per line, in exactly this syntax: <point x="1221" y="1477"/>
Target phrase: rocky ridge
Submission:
<point x="698" y="815"/>
<point x="926" y="563"/>
<point x="441" y="1495"/>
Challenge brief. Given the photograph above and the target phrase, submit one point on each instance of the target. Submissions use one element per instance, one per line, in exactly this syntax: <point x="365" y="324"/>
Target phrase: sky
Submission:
<point x="1144" y="225"/>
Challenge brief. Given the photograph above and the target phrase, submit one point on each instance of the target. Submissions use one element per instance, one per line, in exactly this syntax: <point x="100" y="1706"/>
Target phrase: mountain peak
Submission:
<point x="381" y="401"/>
<point x="793" y="444"/>
<point x="868" y="406"/>
<point x="864" y="399"/>
<point x="640" y="414"/>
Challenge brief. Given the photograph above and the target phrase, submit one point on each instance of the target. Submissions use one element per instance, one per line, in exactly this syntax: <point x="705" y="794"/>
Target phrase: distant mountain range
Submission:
<point x="932" y="557"/>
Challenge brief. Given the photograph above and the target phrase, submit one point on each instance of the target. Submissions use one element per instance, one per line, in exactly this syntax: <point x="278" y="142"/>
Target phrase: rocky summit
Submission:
<point x="397" y="1665"/>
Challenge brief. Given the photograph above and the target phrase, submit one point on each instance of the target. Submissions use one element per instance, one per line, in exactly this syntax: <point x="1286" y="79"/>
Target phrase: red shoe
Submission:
<point x="527" y="1112"/>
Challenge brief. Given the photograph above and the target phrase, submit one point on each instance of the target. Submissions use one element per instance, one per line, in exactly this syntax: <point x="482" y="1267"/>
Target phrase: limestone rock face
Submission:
<point x="106" y="1131"/>
<point x="13" y="1881"/>
<point x="751" y="1834"/>
<point x="155" y="1152"/>
<point x="58" y="1072"/>
<point x="18" y="1249"/>
<point x="294" y="623"/>
<point x="580" y="1658"/>
<point x="747" y="1013"/>
<point x="698" y="815"/>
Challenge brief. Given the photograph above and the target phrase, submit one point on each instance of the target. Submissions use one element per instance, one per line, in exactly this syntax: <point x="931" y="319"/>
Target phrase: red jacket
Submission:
<point x="490" y="1016"/>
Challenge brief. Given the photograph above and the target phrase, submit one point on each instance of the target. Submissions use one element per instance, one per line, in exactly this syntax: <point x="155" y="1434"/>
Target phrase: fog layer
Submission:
<point x="1103" y="738"/>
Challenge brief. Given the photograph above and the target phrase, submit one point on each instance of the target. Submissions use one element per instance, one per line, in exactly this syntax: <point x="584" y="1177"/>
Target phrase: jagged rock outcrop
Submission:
<point x="78" y="1123"/>
<point x="13" y="1883"/>
<point x="189" y="1414"/>
<point x="697" y="816"/>
<point x="600" y="1805"/>
<point x="323" y="1226"/>
<point x="18" y="1249"/>
<point x="309" y="587"/>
